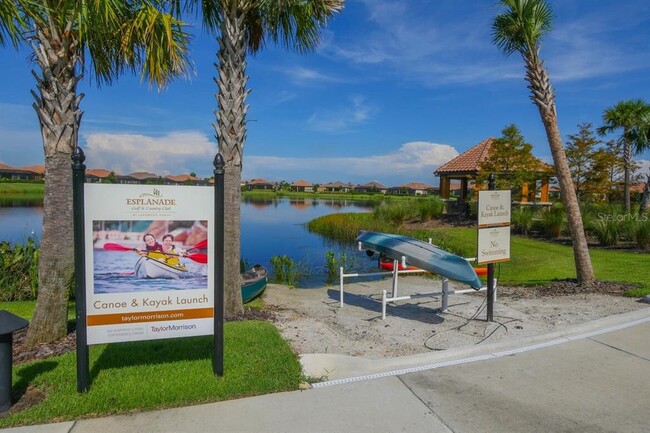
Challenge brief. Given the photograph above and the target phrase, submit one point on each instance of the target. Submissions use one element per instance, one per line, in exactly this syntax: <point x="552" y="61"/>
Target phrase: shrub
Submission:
<point x="641" y="234"/>
<point x="334" y="263"/>
<point x="553" y="221"/>
<point x="395" y="213"/>
<point x="286" y="271"/>
<point x="605" y="230"/>
<point x="18" y="271"/>
<point x="522" y="220"/>
<point x="430" y="208"/>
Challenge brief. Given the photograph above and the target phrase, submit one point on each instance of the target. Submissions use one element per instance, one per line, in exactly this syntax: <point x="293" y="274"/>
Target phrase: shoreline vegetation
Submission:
<point x="21" y="191"/>
<point x="34" y="190"/>
<point x="534" y="262"/>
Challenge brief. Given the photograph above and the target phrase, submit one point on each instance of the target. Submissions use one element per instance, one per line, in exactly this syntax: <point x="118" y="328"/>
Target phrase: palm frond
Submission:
<point x="12" y="21"/>
<point x="522" y="25"/>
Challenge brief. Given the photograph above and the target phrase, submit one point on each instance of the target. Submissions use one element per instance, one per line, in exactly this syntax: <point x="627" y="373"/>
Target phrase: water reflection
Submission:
<point x="269" y="227"/>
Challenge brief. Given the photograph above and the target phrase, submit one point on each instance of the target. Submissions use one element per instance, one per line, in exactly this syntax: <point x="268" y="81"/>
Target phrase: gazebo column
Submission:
<point x="463" y="189"/>
<point x="444" y="186"/>
<point x="544" y="195"/>
<point x="524" y="193"/>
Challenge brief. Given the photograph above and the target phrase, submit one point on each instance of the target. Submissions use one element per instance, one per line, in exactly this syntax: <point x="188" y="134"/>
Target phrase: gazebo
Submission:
<point x="465" y="167"/>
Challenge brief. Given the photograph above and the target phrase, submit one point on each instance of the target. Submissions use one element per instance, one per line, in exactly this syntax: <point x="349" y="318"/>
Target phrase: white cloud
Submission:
<point x="343" y="119"/>
<point x="414" y="161"/>
<point x="174" y="153"/>
<point x="186" y="151"/>
<point x="301" y="75"/>
<point x="644" y="167"/>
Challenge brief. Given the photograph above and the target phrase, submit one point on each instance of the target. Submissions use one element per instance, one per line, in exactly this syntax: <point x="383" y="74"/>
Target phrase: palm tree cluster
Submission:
<point x="106" y="38"/>
<point x="109" y="37"/>
<point x="632" y="117"/>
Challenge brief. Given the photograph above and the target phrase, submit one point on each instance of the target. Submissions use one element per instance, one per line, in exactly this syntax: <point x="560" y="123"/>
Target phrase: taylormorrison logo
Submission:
<point x="171" y="328"/>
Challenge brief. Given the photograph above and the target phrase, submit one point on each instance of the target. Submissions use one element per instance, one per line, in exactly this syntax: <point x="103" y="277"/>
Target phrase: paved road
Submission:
<point x="596" y="384"/>
<point x="585" y="382"/>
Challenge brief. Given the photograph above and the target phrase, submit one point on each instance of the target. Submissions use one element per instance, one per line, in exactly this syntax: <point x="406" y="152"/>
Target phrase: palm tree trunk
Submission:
<point x="230" y="129"/>
<point x="57" y="107"/>
<point x="627" y="161"/>
<point x="542" y="96"/>
<point x="56" y="260"/>
<point x="645" y="200"/>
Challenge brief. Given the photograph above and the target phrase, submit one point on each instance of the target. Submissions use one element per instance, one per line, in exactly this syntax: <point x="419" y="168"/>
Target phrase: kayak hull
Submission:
<point x="147" y="267"/>
<point x="422" y="255"/>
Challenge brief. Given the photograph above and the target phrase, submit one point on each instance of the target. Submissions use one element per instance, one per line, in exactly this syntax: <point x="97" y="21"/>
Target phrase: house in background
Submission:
<point x="259" y="184"/>
<point x="413" y="188"/>
<point x="139" y="177"/>
<point x="371" y="187"/>
<point x="24" y="173"/>
<point x="184" y="179"/>
<point x="336" y="187"/>
<point x="465" y="168"/>
<point x="99" y="175"/>
<point x="302" y="186"/>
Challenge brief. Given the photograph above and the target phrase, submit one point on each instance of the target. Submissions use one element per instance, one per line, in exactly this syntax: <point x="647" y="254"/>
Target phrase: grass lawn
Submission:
<point x="21" y="189"/>
<point x="538" y="262"/>
<point x="147" y="375"/>
<point x="532" y="261"/>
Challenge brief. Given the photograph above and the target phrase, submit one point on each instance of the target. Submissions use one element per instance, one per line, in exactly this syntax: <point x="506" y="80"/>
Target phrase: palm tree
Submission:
<point x="632" y="117"/>
<point x="520" y="29"/>
<point x="242" y="27"/>
<point x="68" y="38"/>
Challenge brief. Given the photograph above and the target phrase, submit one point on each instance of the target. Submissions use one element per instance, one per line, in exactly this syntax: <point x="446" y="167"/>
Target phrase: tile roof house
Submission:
<point x="98" y="175"/>
<point x="371" y="187"/>
<point x="337" y="186"/>
<point x="138" y="177"/>
<point x="259" y="184"/>
<point x="302" y="185"/>
<point x="9" y="172"/>
<point x="184" y="179"/>
<point x="38" y="169"/>
<point x="413" y="188"/>
<point x="465" y="167"/>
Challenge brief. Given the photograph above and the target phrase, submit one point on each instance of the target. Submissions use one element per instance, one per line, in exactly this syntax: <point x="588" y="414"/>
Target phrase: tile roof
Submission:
<point x="638" y="188"/>
<point x="142" y="175"/>
<point x="39" y="169"/>
<point x="373" y="185"/>
<point x="259" y="182"/>
<point x="468" y="161"/>
<point x="302" y="182"/>
<point x="98" y="172"/>
<point x="416" y="185"/>
<point x="181" y="178"/>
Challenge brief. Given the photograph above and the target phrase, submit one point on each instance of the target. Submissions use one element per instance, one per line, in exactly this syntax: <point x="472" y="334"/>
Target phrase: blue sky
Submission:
<point x="395" y="89"/>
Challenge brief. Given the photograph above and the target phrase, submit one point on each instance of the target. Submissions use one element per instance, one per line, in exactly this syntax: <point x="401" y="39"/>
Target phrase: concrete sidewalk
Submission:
<point x="593" y="377"/>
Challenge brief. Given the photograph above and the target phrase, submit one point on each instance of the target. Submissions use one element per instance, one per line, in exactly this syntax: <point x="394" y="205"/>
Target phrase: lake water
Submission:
<point x="269" y="227"/>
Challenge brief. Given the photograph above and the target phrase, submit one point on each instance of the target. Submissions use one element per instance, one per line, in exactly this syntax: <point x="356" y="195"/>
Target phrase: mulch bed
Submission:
<point x="567" y="287"/>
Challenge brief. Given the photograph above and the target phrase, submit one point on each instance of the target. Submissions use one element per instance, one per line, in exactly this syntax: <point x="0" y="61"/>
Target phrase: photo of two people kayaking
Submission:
<point x="176" y="262"/>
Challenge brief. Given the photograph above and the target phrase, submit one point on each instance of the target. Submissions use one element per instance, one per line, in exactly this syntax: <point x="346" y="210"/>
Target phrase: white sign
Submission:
<point x="493" y="208"/>
<point x="148" y="275"/>
<point x="493" y="244"/>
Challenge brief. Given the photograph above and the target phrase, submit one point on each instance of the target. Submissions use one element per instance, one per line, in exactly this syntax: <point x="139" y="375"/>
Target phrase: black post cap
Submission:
<point x="10" y="323"/>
